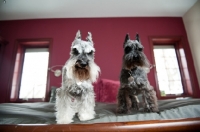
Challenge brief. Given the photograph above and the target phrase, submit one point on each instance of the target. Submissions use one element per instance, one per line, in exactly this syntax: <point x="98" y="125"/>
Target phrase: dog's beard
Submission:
<point x="130" y="61"/>
<point x="81" y="73"/>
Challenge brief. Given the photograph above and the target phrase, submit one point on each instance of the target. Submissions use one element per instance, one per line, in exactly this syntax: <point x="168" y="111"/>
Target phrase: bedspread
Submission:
<point x="44" y="112"/>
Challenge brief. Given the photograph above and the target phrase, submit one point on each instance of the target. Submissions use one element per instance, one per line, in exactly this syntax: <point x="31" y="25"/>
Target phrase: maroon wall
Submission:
<point x="108" y="36"/>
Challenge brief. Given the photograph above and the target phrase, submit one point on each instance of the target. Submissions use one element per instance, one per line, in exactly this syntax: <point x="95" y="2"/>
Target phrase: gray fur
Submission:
<point x="76" y="95"/>
<point x="133" y="79"/>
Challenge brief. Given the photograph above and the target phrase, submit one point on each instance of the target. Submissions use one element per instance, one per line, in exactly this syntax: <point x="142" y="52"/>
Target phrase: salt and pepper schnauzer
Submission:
<point x="133" y="79"/>
<point x="76" y="95"/>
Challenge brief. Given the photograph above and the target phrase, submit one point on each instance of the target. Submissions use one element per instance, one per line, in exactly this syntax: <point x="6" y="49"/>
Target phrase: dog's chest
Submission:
<point x="135" y="73"/>
<point x="78" y="90"/>
<point x="131" y="75"/>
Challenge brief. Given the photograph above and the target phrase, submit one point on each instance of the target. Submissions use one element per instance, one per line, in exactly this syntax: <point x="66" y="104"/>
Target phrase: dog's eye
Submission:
<point x="90" y="53"/>
<point x="140" y="48"/>
<point x="127" y="50"/>
<point x="75" y="51"/>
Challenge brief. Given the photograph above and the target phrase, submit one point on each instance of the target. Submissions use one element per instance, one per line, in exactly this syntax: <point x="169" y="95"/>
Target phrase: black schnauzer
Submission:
<point x="133" y="79"/>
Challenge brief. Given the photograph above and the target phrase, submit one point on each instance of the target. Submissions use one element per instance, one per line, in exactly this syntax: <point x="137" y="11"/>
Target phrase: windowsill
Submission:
<point x="28" y="100"/>
<point x="173" y="96"/>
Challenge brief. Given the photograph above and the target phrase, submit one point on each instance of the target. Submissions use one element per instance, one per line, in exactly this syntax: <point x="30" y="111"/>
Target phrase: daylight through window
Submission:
<point x="34" y="73"/>
<point x="167" y="69"/>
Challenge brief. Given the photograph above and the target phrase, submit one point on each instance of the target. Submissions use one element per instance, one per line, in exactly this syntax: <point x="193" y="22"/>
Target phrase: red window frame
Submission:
<point x="18" y="59"/>
<point x="187" y="78"/>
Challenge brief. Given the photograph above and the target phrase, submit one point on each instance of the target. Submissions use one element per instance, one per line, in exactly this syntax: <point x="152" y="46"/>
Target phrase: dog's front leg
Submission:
<point x="64" y="113"/>
<point x="121" y="101"/>
<point x="150" y="101"/>
<point x="135" y="102"/>
<point x="146" y="104"/>
<point x="86" y="109"/>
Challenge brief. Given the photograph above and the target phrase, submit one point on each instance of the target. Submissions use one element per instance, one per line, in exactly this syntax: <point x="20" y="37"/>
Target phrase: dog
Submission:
<point x="133" y="79"/>
<point x="76" y="94"/>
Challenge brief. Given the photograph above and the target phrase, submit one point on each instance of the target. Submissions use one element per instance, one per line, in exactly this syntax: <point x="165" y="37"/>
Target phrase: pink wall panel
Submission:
<point x="108" y="36"/>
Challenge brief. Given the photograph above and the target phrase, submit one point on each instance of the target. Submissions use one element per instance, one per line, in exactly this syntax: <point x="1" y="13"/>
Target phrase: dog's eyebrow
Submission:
<point x="88" y="49"/>
<point x="77" y="48"/>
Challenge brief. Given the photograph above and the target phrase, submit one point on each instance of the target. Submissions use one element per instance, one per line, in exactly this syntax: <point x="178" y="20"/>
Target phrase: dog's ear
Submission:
<point x="78" y="35"/>
<point x="126" y="38"/>
<point x="137" y="37"/>
<point x="140" y="47"/>
<point x="89" y="37"/>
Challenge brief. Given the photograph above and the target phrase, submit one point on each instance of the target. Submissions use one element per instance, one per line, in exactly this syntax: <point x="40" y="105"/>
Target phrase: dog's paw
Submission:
<point x="64" y="121"/>
<point x="121" y="111"/>
<point x="85" y="117"/>
<point x="155" y="109"/>
<point x="135" y="106"/>
<point x="147" y="108"/>
<point x="150" y="108"/>
<point x="139" y="81"/>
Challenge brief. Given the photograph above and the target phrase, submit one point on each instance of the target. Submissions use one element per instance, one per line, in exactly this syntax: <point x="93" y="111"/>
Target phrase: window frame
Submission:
<point x="20" y="46"/>
<point x="178" y="45"/>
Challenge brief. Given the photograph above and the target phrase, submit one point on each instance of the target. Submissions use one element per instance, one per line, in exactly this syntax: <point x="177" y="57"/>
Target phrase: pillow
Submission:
<point x="53" y="94"/>
<point x="97" y="87"/>
<point x="108" y="91"/>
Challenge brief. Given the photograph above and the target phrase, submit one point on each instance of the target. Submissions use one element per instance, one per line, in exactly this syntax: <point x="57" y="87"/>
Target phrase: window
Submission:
<point x="172" y="77"/>
<point x="34" y="73"/>
<point x="30" y="70"/>
<point x="167" y="69"/>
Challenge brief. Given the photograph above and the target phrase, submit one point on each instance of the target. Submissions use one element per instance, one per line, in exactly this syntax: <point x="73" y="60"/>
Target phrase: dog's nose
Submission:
<point x="140" y="49"/>
<point x="83" y="64"/>
<point x="136" y="58"/>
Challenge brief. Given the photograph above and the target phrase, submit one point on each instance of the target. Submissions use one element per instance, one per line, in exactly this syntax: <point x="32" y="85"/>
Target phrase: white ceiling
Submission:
<point x="40" y="9"/>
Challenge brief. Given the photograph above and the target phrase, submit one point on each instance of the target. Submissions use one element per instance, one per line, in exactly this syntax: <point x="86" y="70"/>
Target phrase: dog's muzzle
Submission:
<point x="133" y="57"/>
<point x="81" y="63"/>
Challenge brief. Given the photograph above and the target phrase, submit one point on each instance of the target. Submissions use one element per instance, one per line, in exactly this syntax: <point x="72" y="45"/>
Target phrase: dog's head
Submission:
<point x="133" y="53"/>
<point x="82" y="51"/>
<point x="82" y="58"/>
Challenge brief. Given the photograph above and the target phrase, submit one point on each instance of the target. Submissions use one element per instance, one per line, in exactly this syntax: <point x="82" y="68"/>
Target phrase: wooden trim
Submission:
<point x="183" y="125"/>
<point x="47" y="96"/>
<point x="151" y="41"/>
<point x="22" y="44"/>
<point x="192" y="72"/>
<point x="11" y="71"/>
<point x="177" y="41"/>
<point x="30" y="100"/>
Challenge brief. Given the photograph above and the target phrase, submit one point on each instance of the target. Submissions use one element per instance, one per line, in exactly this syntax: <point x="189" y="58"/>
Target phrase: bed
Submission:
<point x="175" y="115"/>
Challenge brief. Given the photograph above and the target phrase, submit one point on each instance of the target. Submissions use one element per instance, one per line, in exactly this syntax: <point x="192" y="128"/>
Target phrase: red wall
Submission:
<point x="108" y="36"/>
